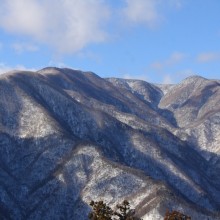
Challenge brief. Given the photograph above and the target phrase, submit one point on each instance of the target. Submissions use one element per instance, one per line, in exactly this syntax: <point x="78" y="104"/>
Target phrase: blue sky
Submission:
<point x="160" y="41"/>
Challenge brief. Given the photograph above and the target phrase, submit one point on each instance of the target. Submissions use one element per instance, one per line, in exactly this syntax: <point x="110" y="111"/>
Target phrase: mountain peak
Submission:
<point x="193" y="78"/>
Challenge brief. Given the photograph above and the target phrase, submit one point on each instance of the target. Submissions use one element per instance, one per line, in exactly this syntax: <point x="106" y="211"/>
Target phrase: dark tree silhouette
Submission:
<point x="124" y="212"/>
<point x="100" y="211"/>
<point x="103" y="212"/>
<point x="175" y="215"/>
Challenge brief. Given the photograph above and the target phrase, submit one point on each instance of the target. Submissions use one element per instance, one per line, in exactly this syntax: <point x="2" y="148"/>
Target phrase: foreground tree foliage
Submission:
<point x="174" y="215"/>
<point x="101" y="211"/>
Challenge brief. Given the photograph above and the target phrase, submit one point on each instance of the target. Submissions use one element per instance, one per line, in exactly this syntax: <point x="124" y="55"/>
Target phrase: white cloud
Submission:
<point x="22" y="47"/>
<point x="208" y="57"/>
<point x="5" y="68"/>
<point x="67" y="25"/>
<point x="142" y="11"/>
<point x="167" y="79"/>
<point x="143" y="77"/>
<point x="174" y="58"/>
<point x="177" y="76"/>
<point x="177" y="3"/>
<point x="58" y="64"/>
<point x="148" y="12"/>
<point x="186" y="73"/>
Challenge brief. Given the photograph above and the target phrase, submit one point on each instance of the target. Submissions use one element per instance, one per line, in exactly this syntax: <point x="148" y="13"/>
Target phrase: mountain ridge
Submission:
<point x="61" y="131"/>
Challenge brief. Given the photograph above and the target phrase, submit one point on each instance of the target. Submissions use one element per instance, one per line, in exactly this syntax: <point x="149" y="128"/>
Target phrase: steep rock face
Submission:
<point x="68" y="136"/>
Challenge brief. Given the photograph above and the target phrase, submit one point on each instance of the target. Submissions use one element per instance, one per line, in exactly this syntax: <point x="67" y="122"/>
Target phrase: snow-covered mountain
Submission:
<point x="68" y="137"/>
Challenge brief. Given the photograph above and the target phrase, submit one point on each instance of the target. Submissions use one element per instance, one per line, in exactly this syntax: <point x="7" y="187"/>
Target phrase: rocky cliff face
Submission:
<point x="67" y="137"/>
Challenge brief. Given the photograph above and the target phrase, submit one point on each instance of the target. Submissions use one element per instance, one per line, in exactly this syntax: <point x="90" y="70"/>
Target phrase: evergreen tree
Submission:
<point x="125" y="213"/>
<point x="100" y="211"/>
<point x="103" y="212"/>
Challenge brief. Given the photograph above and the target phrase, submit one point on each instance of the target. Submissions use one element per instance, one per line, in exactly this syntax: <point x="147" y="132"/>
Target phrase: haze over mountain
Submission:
<point x="68" y="137"/>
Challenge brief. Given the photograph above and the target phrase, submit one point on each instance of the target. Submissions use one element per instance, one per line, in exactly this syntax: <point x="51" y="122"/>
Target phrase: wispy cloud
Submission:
<point x="168" y="79"/>
<point x="208" y="57"/>
<point x="174" y="59"/>
<point x="142" y="11"/>
<point x="6" y="68"/>
<point x="147" y="12"/>
<point x="177" y="3"/>
<point x="23" y="47"/>
<point x="178" y="76"/>
<point x="59" y="64"/>
<point x="67" y="25"/>
<point x="143" y="77"/>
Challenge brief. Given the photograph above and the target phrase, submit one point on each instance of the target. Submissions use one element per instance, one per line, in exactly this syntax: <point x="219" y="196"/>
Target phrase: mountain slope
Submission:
<point x="68" y="136"/>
